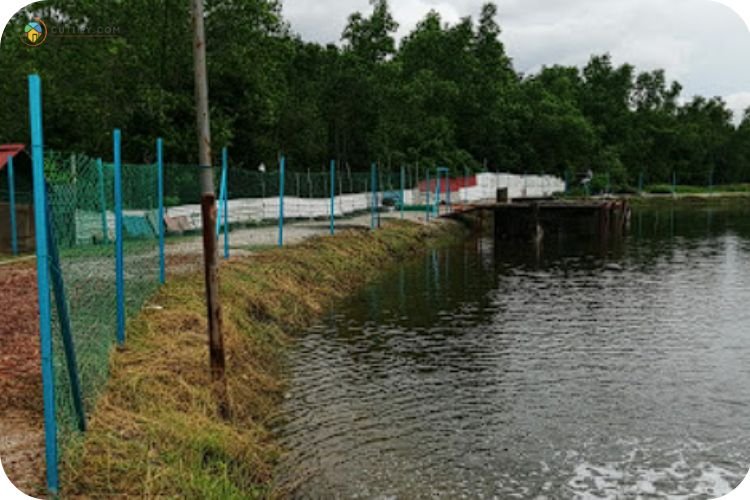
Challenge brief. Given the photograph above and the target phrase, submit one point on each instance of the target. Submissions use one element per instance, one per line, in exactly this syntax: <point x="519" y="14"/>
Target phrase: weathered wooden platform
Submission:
<point x="535" y="219"/>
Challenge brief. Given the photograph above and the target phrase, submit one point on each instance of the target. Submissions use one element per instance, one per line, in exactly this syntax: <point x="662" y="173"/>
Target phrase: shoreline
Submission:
<point x="156" y="430"/>
<point x="645" y="198"/>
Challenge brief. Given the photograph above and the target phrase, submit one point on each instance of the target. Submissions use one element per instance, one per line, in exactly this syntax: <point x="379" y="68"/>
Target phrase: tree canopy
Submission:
<point x="447" y="95"/>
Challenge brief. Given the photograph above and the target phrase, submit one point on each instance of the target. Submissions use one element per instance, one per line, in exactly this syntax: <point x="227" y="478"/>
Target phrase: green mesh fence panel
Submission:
<point x="82" y="217"/>
<point x="141" y="234"/>
<point x="87" y="266"/>
<point x="182" y="184"/>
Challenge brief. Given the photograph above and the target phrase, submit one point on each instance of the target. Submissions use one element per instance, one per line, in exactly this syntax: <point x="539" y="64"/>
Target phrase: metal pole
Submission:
<point x="282" y="175"/>
<point x="119" y="249"/>
<point x="12" y="194"/>
<point x="102" y="201"/>
<point x="208" y="210"/>
<point x="333" y="197"/>
<point x="43" y="289"/>
<point x="160" y="219"/>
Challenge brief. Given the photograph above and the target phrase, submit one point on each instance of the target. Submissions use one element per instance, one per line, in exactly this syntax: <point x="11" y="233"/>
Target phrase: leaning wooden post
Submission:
<point x="208" y="212"/>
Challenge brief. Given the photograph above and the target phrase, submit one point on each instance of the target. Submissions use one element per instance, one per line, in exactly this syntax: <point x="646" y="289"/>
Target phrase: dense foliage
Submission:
<point x="447" y="94"/>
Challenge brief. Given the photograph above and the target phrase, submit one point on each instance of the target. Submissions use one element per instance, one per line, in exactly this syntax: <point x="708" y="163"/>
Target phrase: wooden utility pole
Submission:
<point x="208" y="211"/>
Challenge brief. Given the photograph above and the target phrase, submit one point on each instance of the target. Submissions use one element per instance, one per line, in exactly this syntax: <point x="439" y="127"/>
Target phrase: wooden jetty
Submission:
<point x="534" y="219"/>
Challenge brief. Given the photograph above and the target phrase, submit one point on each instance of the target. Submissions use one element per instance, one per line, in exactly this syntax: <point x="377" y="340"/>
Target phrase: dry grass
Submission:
<point x="156" y="430"/>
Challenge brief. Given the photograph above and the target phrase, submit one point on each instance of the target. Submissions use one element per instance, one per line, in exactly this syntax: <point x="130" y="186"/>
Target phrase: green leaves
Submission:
<point x="448" y="95"/>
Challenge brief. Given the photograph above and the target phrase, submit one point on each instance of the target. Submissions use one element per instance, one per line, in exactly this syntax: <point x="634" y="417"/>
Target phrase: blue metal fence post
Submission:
<point x="42" y="273"/>
<point x="12" y="195"/>
<point x="225" y="162"/>
<point x="333" y="197"/>
<point x="102" y="200"/>
<point x="222" y="195"/>
<point x="282" y="176"/>
<point x="119" y="244"/>
<point x="428" y="208"/>
<point x="160" y="216"/>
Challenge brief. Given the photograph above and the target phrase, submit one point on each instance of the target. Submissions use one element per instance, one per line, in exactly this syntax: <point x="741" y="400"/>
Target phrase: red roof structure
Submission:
<point x="8" y="150"/>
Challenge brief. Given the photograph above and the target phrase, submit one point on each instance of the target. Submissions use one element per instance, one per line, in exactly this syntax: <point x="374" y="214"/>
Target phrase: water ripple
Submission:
<point x="579" y="371"/>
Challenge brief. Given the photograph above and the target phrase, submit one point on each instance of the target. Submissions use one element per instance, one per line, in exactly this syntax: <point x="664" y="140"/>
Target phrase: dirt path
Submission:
<point x="21" y="422"/>
<point x="243" y="241"/>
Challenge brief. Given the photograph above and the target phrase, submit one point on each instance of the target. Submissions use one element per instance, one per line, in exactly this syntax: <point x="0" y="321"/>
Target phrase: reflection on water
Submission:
<point x="578" y="369"/>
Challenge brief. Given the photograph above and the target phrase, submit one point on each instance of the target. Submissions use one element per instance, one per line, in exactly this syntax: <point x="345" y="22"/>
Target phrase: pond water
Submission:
<point x="575" y="369"/>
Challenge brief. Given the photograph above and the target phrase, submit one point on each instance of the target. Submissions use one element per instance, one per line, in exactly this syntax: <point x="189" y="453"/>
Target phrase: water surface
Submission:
<point x="576" y="369"/>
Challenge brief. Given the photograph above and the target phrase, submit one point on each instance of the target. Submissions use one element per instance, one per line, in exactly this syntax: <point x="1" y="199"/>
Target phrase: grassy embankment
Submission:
<point x="155" y="430"/>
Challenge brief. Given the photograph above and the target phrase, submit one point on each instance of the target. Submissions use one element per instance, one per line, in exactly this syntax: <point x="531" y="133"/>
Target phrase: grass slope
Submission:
<point x="155" y="430"/>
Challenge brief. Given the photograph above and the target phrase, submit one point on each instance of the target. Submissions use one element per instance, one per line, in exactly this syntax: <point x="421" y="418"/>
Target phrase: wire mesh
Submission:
<point x="81" y="203"/>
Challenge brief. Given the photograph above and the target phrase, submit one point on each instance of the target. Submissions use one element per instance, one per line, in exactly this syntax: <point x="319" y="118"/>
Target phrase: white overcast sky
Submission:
<point x="701" y="43"/>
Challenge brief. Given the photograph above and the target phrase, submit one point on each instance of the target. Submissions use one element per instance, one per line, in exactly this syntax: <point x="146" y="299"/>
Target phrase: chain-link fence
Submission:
<point x="81" y="215"/>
